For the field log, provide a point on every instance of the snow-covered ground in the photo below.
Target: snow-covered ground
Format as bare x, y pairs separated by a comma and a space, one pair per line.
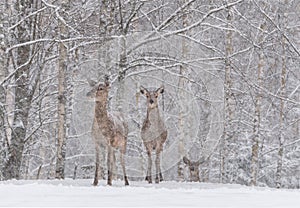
140, 194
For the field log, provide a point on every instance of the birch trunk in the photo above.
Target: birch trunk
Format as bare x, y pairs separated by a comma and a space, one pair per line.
257, 117
61, 110
282, 109
23, 95
121, 83
122, 73
228, 101
182, 130
122, 60
3, 73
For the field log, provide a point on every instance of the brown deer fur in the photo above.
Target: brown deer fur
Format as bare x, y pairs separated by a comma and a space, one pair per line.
153, 133
109, 130
193, 168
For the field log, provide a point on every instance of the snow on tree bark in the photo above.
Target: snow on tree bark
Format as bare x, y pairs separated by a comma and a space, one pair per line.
62, 98
3, 73
99, 26
181, 94
257, 111
228, 100
281, 136
23, 94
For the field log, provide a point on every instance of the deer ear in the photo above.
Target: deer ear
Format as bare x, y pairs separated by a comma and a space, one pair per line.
92, 83
106, 83
186, 160
92, 92
143, 90
160, 90
201, 160
106, 80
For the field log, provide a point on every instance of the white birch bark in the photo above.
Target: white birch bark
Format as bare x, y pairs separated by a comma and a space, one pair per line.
282, 107
257, 112
61, 110
182, 101
228, 100
23, 94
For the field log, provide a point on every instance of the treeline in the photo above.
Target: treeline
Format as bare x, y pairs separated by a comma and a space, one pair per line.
230, 70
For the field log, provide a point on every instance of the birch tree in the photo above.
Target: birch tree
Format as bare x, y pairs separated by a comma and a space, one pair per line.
23, 90
228, 99
257, 112
62, 68
181, 85
3, 73
283, 80
251, 45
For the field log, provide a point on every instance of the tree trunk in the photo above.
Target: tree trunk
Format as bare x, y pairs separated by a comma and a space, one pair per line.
121, 75
122, 62
228, 102
23, 96
182, 101
3, 73
257, 118
121, 86
281, 115
3, 138
61, 125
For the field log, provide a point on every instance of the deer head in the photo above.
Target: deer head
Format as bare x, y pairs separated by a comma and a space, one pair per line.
99, 90
152, 96
193, 169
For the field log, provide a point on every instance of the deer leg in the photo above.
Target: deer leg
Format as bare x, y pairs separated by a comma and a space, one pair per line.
114, 165
157, 164
148, 176
97, 165
109, 165
102, 159
159, 176
123, 165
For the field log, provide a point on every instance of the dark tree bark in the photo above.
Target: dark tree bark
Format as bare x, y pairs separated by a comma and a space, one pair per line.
23, 94
3, 72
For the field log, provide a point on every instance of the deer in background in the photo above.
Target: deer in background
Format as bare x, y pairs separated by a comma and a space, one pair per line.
153, 133
109, 130
193, 168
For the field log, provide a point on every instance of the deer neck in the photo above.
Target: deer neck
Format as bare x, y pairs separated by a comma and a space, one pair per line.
153, 115
101, 113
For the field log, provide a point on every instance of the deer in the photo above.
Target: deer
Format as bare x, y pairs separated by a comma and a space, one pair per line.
193, 168
153, 132
109, 130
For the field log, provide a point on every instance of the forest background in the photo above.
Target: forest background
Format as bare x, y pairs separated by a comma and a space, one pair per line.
230, 71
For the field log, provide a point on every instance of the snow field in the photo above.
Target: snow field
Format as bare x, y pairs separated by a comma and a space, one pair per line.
80, 193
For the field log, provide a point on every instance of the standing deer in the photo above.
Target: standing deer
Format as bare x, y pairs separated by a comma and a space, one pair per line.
109, 130
153, 133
